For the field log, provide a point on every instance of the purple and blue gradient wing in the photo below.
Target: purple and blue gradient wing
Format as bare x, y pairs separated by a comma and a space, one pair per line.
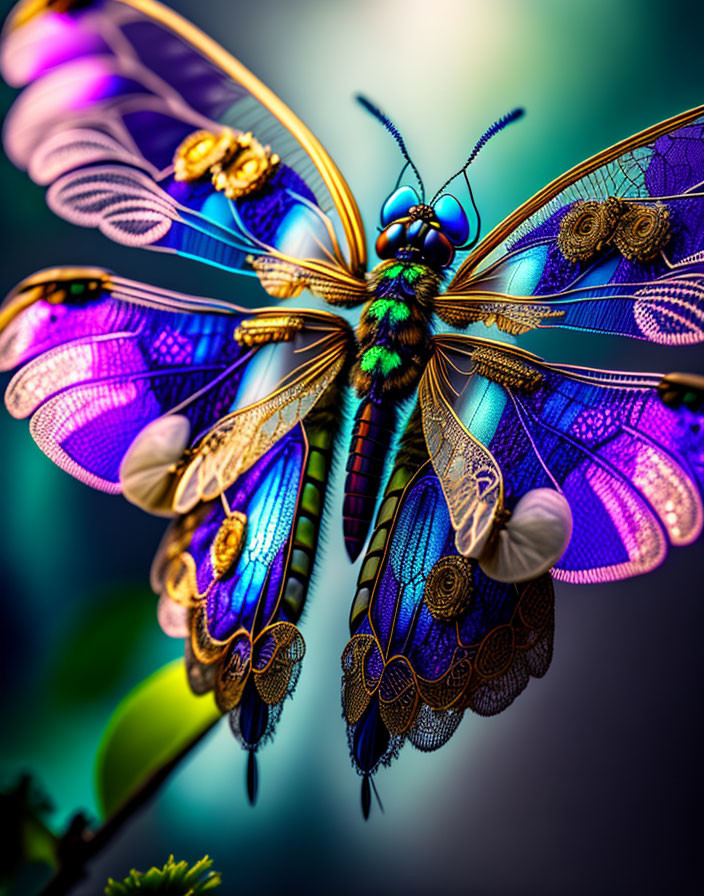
630, 465
233, 576
614, 246
101, 358
431, 634
115, 94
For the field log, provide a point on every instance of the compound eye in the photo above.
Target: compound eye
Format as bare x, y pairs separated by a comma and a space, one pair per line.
413, 229
390, 241
452, 219
437, 249
397, 205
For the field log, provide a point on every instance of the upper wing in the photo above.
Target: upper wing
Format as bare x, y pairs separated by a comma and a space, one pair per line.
135, 389
616, 245
142, 126
622, 452
432, 635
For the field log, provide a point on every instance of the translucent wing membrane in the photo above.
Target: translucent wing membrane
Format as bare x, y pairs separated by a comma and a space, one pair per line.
232, 576
432, 635
613, 246
145, 128
630, 467
132, 388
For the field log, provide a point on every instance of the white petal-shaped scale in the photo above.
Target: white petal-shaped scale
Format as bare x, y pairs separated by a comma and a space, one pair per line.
173, 618
147, 470
533, 539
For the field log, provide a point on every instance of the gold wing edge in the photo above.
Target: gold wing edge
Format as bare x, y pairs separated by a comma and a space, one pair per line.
461, 343
524, 211
339, 190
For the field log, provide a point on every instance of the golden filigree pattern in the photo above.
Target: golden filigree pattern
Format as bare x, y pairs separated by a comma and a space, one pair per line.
237, 164
513, 318
227, 545
642, 231
356, 689
637, 230
238, 440
258, 331
506, 369
206, 649
284, 279
247, 170
469, 475
200, 151
283, 647
233, 672
448, 588
587, 227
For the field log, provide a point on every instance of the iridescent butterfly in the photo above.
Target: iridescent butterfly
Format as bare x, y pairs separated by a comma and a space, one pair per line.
493, 470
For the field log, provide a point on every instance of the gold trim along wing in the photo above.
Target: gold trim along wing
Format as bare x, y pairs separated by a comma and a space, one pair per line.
504, 229
226, 139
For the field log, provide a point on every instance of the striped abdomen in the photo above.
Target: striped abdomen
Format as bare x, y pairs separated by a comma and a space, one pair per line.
374, 427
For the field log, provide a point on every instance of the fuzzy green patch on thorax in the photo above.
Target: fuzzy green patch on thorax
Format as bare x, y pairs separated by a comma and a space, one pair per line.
410, 272
395, 311
380, 359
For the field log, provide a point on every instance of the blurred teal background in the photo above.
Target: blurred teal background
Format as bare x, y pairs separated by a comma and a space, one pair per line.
592, 781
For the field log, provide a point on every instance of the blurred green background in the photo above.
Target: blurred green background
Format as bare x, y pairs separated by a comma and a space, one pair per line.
592, 781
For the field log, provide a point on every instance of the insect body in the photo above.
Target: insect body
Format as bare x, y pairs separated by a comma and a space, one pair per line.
511, 470
393, 336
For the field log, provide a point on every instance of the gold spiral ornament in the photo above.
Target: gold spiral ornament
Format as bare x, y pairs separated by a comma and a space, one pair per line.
200, 151
227, 545
247, 170
642, 231
587, 227
448, 588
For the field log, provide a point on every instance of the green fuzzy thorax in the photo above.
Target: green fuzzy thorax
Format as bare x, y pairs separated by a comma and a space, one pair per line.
378, 359
405, 280
391, 309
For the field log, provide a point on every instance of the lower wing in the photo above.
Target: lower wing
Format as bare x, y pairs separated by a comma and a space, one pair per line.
233, 574
432, 635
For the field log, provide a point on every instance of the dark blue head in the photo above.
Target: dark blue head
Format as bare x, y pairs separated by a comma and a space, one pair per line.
427, 233
415, 230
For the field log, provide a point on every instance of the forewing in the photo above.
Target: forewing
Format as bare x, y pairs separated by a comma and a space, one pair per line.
116, 87
612, 246
102, 358
630, 467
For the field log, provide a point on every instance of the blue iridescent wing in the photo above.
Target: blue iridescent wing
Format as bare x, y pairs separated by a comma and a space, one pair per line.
626, 452
432, 635
141, 125
232, 576
125, 382
616, 245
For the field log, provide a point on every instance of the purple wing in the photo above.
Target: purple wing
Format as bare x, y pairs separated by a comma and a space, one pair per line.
102, 357
233, 576
614, 246
630, 466
115, 95
431, 634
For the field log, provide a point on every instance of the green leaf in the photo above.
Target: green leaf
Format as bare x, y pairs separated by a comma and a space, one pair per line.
174, 879
150, 728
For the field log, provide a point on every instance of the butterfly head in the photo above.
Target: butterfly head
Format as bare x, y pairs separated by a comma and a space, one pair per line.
411, 229
431, 232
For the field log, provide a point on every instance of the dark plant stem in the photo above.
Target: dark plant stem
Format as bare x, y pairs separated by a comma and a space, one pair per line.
80, 844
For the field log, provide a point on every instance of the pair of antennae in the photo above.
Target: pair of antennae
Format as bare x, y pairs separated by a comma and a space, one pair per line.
490, 132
